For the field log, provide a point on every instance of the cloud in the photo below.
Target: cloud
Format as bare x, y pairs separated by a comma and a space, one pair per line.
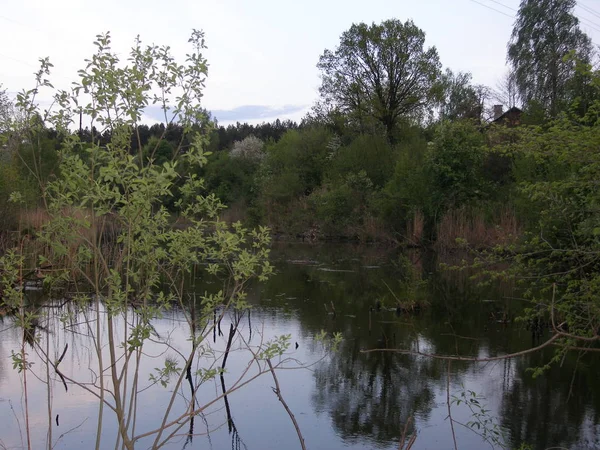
243, 113
156, 114
254, 112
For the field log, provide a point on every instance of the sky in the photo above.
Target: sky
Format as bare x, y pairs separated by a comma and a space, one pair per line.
262, 54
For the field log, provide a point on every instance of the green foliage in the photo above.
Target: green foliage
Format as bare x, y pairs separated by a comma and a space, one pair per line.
295, 164
160, 151
16, 191
380, 72
557, 168
275, 347
454, 165
482, 422
407, 191
460, 99
229, 178
38, 158
164, 374
108, 230
293, 168
20, 362
333, 342
371, 154
544, 35
343, 204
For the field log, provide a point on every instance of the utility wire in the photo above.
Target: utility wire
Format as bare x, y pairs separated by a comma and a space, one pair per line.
502, 4
593, 25
589, 23
587, 18
47, 33
493, 9
52, 74
21, 24
18, 60
588, 9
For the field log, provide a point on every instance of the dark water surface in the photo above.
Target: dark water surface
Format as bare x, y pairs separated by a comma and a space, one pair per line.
345, 399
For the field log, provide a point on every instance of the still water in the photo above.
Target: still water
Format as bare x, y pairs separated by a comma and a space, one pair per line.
341, 399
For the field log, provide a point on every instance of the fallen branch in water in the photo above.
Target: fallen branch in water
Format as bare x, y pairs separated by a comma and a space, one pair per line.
466, 358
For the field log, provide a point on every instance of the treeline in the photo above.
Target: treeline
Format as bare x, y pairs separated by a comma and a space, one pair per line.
396, 149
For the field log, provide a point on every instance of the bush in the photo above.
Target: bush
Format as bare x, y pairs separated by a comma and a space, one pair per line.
371, 154
341, 206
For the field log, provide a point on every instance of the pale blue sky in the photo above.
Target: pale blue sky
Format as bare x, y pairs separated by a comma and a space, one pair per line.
262, 53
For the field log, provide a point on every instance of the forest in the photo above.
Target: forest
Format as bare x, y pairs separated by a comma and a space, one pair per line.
396, 150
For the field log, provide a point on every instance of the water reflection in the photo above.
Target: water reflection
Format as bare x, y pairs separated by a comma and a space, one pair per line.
348, 399
372, 395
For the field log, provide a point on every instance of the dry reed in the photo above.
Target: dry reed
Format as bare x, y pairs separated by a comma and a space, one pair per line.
465, 225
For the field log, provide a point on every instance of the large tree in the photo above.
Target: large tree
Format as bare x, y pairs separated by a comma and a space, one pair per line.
546, 42
380, 72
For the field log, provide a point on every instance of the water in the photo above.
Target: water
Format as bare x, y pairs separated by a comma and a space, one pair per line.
343, 399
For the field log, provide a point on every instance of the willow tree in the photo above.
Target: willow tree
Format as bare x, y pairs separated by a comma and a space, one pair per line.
545, 35
381, 72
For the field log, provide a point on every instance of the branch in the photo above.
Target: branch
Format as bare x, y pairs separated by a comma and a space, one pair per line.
449, 409
277, 391
412, 439
466, 358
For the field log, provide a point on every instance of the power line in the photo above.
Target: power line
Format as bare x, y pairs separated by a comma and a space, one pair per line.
21, 24
502, 4
53, 72
587, 18
588, 9
593, 25
493, 9
18, 60
589, 23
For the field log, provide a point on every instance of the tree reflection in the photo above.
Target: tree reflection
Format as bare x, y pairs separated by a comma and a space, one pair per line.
554, 407
372, 395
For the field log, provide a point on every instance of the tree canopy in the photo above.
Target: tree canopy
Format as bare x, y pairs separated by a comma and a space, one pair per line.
545, 45
460, 99
380, 72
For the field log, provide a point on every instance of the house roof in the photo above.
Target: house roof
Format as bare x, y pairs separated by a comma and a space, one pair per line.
514, 109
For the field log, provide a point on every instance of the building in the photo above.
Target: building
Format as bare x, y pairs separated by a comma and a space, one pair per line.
510, 118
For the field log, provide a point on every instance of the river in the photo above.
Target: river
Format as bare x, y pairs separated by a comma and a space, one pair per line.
342, 398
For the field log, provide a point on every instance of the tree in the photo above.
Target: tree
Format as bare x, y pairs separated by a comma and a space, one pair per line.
110, 238
557, 168
507, 92
545, 34
454, 164
461, 100
250, 147
380, 72
5, 109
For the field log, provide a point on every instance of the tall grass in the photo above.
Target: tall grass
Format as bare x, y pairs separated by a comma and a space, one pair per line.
90, 232
415, 228
479, 232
